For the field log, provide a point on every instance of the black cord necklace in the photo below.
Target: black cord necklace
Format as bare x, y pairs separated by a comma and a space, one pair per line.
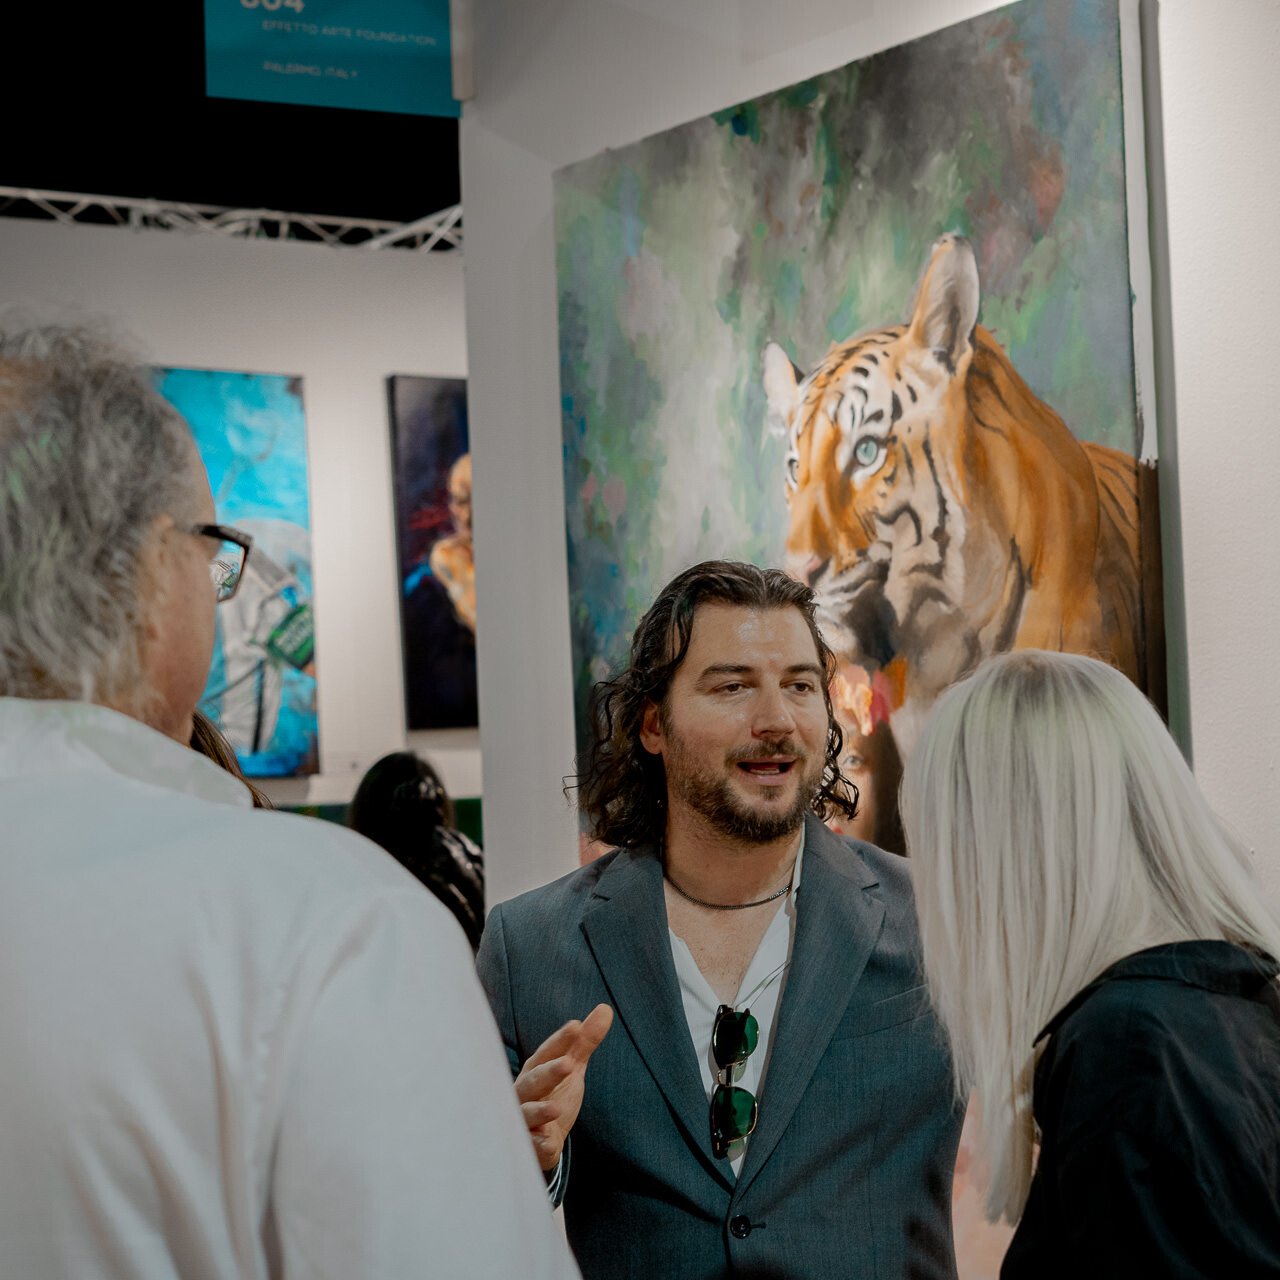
728, 906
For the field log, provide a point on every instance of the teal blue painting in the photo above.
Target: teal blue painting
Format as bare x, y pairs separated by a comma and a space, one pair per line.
877, 328
251, 431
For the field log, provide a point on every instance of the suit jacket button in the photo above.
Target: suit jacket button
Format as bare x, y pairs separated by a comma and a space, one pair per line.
740, 1227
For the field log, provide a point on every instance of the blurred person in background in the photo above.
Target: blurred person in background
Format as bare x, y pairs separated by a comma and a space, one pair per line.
402, 805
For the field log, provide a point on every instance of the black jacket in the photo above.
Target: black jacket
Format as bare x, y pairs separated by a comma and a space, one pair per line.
1158, 1101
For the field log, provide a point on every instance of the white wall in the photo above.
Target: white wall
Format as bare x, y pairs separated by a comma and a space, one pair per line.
343, 319
1221, 120
560, 80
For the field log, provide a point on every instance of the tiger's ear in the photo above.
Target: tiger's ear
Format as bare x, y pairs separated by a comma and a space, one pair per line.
781, 388
947, 302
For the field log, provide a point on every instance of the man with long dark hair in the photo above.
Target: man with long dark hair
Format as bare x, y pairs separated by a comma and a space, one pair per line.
713, 764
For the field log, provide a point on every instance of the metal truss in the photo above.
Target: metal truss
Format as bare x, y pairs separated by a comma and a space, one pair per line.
438, 231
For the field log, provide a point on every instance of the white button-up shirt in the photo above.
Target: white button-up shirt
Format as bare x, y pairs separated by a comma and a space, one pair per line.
233, 1044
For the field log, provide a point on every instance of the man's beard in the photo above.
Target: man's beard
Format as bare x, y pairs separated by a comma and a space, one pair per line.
712, 796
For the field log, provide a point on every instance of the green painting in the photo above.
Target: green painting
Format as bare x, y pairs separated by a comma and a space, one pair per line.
877, 328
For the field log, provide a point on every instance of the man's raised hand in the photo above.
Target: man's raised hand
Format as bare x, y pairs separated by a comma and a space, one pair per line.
550, 1084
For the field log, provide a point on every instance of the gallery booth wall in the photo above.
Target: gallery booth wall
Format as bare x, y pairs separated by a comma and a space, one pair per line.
343, 320
557, 83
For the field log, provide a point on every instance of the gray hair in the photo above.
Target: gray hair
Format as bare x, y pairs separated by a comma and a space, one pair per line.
1054, 828
90, 455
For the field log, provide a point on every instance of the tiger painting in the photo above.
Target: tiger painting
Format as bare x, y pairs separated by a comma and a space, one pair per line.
943, 513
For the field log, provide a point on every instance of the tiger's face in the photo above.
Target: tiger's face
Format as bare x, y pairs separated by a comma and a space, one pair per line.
943, 512
858, 433
876, 501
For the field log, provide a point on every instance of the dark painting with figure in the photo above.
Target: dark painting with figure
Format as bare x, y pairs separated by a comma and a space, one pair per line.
432, 461
889, 329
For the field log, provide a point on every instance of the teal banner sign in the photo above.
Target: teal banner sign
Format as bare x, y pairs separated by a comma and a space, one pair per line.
369, 55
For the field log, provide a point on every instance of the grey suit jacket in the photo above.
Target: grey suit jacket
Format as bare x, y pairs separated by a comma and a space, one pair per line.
849, 1170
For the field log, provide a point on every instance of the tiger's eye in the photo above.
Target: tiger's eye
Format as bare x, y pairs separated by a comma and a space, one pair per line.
864, 453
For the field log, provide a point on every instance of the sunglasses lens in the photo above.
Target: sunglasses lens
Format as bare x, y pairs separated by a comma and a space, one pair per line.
734, 1036
733, 1116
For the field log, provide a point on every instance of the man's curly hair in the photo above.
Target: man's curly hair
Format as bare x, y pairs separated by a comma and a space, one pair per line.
621, 787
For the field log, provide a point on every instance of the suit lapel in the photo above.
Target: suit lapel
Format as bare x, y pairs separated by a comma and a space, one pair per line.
837, 925
626, 928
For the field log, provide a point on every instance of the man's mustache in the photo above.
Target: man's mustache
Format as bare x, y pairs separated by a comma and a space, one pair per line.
767, 751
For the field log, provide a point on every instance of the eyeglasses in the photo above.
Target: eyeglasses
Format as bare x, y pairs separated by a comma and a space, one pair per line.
227, 566
734, 1111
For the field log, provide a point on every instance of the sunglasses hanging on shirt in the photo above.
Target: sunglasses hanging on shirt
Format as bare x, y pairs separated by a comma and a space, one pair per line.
734, 1037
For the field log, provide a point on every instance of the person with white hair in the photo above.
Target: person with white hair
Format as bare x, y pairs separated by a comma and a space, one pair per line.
233, 1043
1104, 965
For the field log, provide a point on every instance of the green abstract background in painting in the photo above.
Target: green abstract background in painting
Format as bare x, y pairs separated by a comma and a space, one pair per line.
804, 217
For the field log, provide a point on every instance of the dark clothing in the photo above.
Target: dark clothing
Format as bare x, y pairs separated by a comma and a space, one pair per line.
439, 661
1158, 1102
454, 872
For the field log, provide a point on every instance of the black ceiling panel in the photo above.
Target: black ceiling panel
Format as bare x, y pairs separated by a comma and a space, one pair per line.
108, 99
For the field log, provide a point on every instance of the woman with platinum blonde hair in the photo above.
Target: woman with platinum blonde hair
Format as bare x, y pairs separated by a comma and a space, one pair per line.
1097, 948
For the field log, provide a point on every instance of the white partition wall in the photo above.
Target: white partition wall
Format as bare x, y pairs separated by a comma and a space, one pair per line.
1221, 105
557, 82
341, 318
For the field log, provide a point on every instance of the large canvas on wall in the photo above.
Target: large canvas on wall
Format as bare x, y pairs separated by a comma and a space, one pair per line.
432, 461
251, 431
768, 352
887, 328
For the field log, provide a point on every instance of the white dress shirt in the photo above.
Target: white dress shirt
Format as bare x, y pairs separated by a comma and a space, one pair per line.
760, 991
235, 1044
